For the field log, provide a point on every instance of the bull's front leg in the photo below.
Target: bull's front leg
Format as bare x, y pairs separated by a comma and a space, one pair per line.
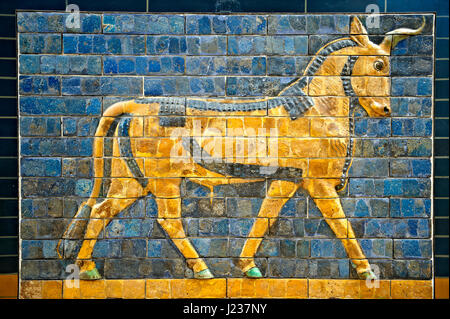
278, 194
324, 194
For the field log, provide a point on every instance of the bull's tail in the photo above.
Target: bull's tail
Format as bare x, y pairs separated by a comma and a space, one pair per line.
76, 228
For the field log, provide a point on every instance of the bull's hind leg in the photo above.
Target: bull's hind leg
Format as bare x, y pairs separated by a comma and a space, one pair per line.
167, 196
122, 193
327, 200
278, 194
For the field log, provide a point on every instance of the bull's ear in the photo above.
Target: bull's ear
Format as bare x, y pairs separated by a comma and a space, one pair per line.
358, 33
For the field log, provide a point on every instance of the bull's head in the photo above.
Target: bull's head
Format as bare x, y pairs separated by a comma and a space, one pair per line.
370, 78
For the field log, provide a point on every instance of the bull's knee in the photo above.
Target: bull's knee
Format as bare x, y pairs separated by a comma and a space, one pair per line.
173, 227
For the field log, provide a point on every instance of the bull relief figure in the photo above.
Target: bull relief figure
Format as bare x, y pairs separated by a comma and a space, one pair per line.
313, 118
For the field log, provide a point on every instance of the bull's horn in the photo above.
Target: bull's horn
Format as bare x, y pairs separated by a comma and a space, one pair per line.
394, 37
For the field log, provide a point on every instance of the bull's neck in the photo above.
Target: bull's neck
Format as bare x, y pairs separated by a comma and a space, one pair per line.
330, 87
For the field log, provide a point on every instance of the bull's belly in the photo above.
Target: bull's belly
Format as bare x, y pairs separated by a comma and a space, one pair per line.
316, 145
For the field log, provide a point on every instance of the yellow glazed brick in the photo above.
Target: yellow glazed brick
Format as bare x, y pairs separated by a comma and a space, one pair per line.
71, 292
329, 288
8, 286
234, 287
192, 288
383, 291
31, 289
297, 288
261, 289
52, 289
134, 289
157, 288
411, 289
93, 289
277, 288
248, 287
441, 288
114, 289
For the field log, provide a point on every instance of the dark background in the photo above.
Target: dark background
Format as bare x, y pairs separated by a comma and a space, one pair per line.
8, 93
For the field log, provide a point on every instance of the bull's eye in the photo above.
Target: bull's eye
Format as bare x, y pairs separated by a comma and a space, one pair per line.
378, 65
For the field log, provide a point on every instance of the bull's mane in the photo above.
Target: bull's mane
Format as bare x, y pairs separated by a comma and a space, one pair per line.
292, 97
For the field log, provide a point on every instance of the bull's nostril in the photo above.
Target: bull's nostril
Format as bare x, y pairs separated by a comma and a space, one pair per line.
387, 110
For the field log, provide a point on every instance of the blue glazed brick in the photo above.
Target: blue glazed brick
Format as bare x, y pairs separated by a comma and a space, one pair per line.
412, 248
369, 167
365, 207
240, 227
75, 167
410, 168
243, 207
411, 228
170, 86
59, 106
52, 64
295, 207
39, 85
287, 24
410, 207
126, 86
32, 249
83, 187
366, 187
411, 66
40, 22
213, 227
286, 65
285, 227
367, 147
226, 66
33, 126
418, 187
407, 269
143, 24
56, 22
126, 228
29, 64
317, 228
269, 248
411, 147
256, 86
56, 147
372, 228
107, 248
270, 45
39, 43
416, 45
143, 65
411, 106
316, 42
166, 44
377, 248
154, 248
207, 45
411, 127
328, 24
211, 247
103, 44
368, 127
327, 248
204, 24
328, 268
288, 247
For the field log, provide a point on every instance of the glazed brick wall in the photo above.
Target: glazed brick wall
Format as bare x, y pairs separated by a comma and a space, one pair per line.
375, 147
67, 79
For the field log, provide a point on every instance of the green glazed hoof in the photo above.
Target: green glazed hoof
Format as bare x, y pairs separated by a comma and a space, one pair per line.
368, 274
204, 274
92, 274
253, 273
